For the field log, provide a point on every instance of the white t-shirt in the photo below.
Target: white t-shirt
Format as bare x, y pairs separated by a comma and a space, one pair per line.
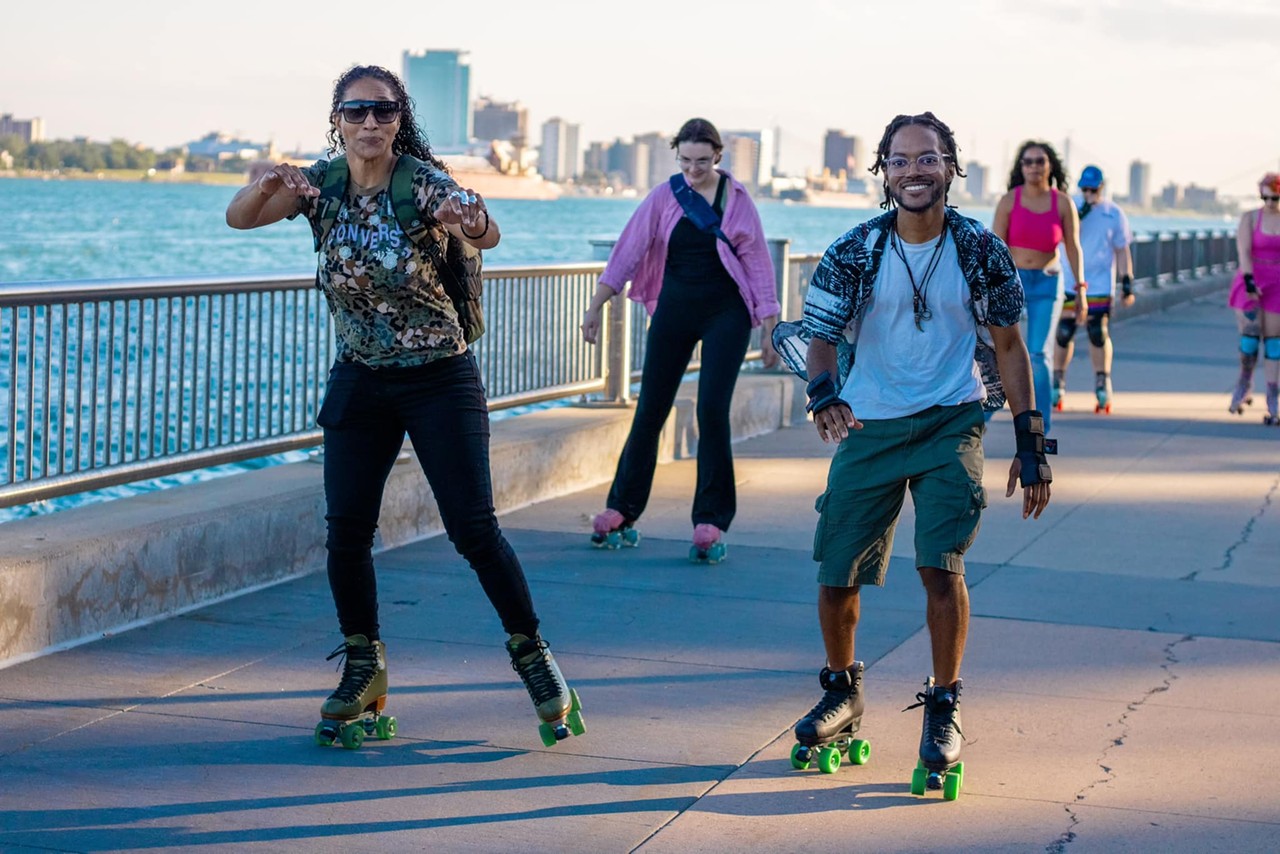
900, 370
1102, 232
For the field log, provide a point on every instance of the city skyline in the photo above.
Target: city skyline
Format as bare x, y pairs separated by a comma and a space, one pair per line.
1164, 82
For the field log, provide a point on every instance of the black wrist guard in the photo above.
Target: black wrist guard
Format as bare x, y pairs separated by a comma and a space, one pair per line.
1249, 287
1126, 285
1028, 428
822, 392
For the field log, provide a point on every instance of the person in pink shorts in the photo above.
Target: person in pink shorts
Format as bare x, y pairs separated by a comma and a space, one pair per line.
1255, 296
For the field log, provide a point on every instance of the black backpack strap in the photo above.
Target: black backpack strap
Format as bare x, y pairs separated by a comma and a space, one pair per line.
699, 210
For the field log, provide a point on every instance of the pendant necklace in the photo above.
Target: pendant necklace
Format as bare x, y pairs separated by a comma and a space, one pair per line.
919, 304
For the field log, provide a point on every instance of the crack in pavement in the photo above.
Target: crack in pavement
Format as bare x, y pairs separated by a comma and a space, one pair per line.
1059, 846
1228, 557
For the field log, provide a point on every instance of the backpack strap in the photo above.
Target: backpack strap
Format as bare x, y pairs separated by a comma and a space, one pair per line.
403, 202
699, 210
333, 186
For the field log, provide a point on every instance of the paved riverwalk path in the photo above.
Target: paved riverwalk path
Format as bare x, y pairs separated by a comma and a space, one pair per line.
1122, 685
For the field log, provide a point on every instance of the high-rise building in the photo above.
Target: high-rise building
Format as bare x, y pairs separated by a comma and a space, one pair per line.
558, 157
662, 160
439, 82
596, 158
838, 153
30, 130
497, 120
742, 160
628, 163
766, 158
975, 181
1170, 196
1139, 184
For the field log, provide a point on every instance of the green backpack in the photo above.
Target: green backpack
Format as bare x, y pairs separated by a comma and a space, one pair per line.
458, 267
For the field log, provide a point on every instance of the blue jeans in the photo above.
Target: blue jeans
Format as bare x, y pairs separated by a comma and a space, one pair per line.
1043, 294
365, 416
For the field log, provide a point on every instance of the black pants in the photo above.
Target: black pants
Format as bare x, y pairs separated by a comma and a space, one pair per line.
365, 416
682, 319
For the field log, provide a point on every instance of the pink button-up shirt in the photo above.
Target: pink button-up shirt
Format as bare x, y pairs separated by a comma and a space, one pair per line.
640, 255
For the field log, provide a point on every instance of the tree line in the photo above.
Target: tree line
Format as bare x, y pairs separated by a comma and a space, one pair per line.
96, 156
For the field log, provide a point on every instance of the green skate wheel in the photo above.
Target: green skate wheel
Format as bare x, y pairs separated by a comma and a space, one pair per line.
631, 538
801, 757
952, 784
386, 727
918, 779
859, 751
717, 553
576, 725
352, 736
324, 736
548, 734
575, 705
828, 760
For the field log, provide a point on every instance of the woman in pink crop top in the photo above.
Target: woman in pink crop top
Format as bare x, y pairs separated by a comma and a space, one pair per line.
1255, 296
1034, 217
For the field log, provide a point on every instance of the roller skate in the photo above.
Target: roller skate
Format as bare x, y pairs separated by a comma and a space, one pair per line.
939, 766
611, 530
828, 729
557, 705
707, 546
1059, 390
354, 709
1242, 396
1272, 418
1102, 388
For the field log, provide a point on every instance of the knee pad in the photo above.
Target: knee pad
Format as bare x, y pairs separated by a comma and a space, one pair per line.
1097, 334
1249, 344
1271, 346
1066, 331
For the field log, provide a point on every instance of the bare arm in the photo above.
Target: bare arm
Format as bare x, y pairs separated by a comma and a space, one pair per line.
1071, 243
835, 421
1014, 364
271, 198
1244, 243
1000, 221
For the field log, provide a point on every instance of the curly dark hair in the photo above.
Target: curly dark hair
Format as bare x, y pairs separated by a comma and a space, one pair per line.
698, 130
948, 139
409, 139
1057, 174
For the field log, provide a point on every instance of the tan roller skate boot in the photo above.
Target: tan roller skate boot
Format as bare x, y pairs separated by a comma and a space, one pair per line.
354, 709
557, 706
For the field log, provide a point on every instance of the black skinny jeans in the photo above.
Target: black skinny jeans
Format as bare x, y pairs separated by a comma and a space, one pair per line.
682, 318
365, 416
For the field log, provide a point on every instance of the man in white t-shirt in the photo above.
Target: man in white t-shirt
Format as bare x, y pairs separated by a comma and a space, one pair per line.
1104, 242
908, 289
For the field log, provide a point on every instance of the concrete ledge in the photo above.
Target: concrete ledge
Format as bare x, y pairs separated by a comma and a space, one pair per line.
71, 577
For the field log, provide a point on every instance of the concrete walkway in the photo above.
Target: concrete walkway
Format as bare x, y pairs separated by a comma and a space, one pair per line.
1122, 680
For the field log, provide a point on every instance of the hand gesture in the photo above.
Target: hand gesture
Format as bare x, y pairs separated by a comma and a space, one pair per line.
285, 179
591, 325
1034, 498
835, 421
464, 208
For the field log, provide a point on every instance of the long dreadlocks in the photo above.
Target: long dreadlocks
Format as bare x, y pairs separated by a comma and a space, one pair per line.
928, 120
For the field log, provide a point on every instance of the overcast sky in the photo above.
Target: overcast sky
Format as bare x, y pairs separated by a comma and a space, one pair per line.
1191, 86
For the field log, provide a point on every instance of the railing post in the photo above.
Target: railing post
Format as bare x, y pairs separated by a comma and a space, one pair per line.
1176, 275
788, 291
615, 338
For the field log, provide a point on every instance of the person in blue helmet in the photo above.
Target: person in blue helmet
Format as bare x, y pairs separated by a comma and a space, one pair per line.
1105, 239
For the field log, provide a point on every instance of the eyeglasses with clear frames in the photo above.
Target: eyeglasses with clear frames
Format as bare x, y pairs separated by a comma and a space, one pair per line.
701, 162
926, 164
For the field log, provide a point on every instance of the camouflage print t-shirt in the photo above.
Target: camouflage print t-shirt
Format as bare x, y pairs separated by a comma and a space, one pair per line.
388, 304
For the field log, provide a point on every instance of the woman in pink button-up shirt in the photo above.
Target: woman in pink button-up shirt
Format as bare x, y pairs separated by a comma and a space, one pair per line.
699, 286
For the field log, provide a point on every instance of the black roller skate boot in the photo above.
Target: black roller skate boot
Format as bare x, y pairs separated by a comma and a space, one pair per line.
557, 705
354, 709
939, 766
829, 727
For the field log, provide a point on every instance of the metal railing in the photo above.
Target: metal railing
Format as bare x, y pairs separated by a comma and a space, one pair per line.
110, 382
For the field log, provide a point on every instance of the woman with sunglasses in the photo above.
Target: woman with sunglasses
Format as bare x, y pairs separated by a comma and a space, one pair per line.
1255, 296
695, 255
1033, 218
403, 366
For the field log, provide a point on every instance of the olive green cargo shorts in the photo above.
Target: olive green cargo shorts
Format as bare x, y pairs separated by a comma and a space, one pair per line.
936, 453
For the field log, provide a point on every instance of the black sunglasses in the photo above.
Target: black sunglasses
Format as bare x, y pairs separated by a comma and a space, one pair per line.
1035, 161
355, 112
1267, 198
1090, 189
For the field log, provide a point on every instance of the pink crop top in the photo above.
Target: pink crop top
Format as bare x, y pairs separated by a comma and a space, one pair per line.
1039, 231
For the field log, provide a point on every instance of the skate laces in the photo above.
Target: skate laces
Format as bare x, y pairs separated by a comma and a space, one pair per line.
534, 668
939, 714
359, 665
